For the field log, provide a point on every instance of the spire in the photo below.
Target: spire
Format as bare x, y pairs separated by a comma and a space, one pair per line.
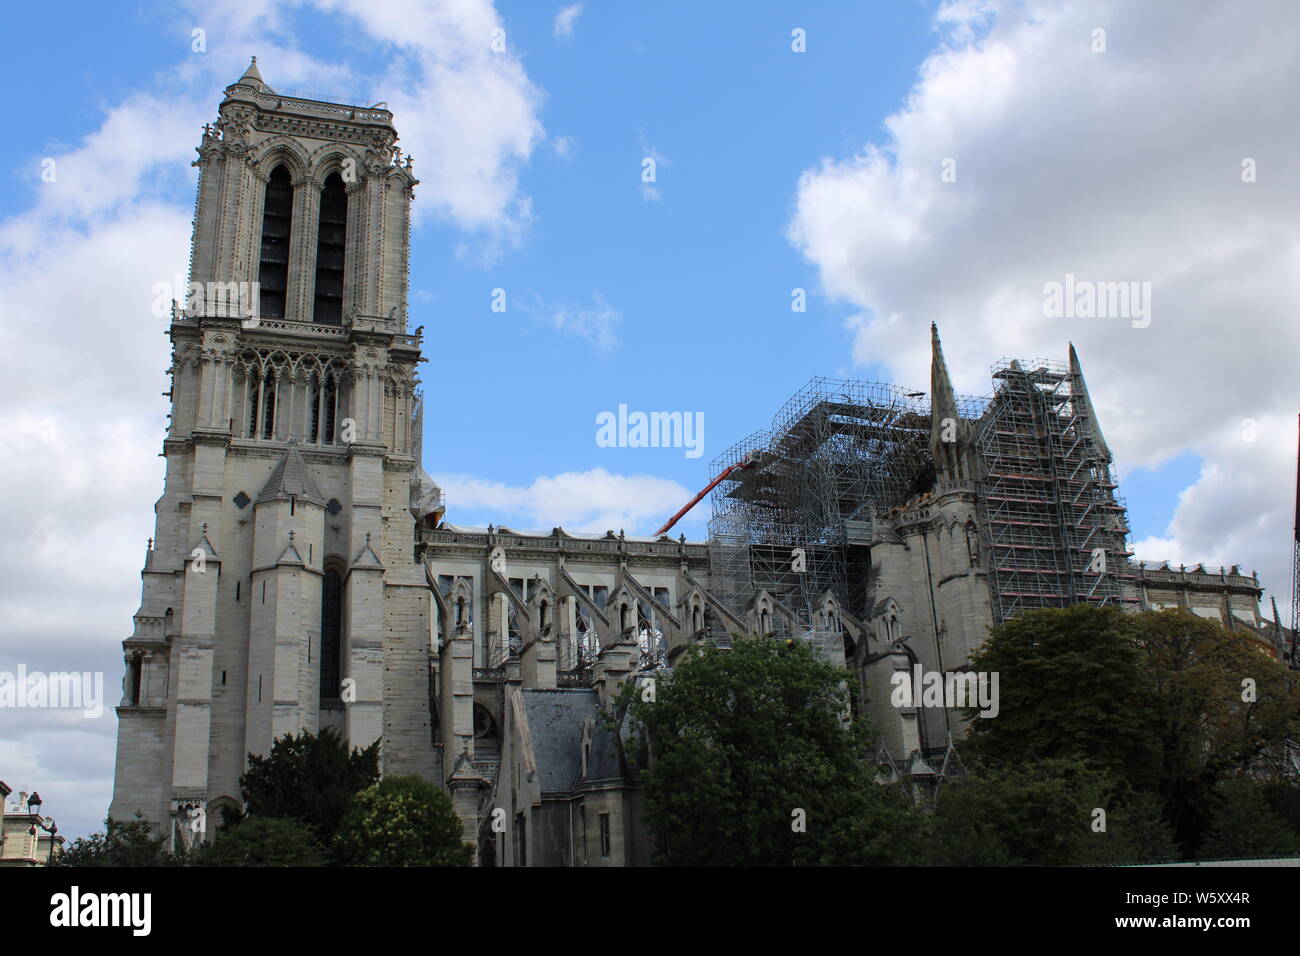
947, 431
291, 479
1085, 403
252, 77
943, 404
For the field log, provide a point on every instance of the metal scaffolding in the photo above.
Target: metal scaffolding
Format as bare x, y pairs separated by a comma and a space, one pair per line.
1054, 528
838, 454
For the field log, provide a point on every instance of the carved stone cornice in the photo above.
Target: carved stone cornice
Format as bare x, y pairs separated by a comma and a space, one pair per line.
210, 436
367, 449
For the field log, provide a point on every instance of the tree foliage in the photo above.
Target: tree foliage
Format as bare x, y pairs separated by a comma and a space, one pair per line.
402, 821
1205, 731
1071, 684
1243, 825
1167, 702
1049, 813
310, 779
120, 843
754, 762
263, 841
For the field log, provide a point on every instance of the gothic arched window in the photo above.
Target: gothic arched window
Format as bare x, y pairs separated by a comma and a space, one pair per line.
324, 407
273, 267
268, 403
331, 238
331, 620
253, 390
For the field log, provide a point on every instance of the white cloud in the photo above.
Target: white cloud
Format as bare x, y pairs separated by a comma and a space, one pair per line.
469, 115
1115, 166
587, 501
564, 146
596, 323
565, 19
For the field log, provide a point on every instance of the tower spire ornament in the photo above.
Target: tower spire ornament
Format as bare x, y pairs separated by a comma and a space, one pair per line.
950, 435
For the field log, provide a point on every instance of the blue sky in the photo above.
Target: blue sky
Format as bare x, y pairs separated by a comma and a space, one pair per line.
776, 170
693, 287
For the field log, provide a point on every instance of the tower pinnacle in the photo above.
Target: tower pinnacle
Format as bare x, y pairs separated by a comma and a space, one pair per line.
1085, 402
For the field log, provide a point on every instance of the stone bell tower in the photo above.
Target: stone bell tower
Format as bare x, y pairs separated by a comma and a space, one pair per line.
280, 591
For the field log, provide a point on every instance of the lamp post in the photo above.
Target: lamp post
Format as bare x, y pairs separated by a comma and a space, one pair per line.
49, 826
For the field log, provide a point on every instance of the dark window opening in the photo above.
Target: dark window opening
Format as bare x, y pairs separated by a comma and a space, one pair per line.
273, 269
330, 243
137, 670
604, 835
330, 634
254, 383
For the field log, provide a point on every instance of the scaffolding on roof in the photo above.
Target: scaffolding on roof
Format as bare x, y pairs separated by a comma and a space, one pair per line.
1055, 531
838, 454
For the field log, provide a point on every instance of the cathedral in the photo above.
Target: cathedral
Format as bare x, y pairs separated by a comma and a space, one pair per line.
303, 574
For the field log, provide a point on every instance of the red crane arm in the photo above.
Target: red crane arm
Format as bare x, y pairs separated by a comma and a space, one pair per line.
746, 463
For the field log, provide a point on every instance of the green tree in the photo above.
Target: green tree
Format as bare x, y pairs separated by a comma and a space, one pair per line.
1166, 701
1205, 729
310, 779
1283, 796
402, 821
1071, 683
120, 843
263, 841
1053, 812
1244, 826
754, 762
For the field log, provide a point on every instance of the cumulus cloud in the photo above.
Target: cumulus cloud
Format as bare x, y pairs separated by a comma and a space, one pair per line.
1123, 165
565, 19
587, 501
463, 103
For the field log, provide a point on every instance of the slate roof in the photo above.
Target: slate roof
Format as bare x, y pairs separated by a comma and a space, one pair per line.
291, 477
555, 720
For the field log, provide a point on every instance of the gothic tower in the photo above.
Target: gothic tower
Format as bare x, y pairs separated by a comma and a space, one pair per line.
281, 591
961, 591
930, 597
